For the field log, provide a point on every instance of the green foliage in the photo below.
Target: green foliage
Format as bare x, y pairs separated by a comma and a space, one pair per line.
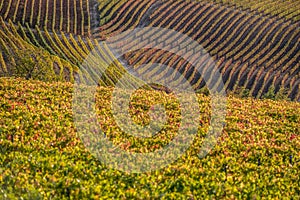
270, 94
245, 93
204, 91
33, 64
282, 94
61, 39
42, 157
240, 92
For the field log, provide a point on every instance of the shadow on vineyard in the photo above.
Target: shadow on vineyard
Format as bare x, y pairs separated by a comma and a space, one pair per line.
45, 47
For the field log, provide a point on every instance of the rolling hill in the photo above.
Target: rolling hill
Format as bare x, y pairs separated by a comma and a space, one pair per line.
255, 46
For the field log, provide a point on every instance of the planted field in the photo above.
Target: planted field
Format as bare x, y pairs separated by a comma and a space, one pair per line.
284, 10
51, 51
71, 16
255, 49
42, 157
261, 50
64, 54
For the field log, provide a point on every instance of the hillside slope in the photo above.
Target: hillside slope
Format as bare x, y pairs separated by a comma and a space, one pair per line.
255, 47
43, 157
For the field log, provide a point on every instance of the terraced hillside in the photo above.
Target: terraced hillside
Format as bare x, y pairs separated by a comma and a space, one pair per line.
253, 51
284, 10
62, 53
185, 145
71, 16
256, 47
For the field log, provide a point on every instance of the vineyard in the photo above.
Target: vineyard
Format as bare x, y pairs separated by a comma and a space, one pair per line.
41, 157
255, 48
71, 16
254, 52
282, 10
248, 49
